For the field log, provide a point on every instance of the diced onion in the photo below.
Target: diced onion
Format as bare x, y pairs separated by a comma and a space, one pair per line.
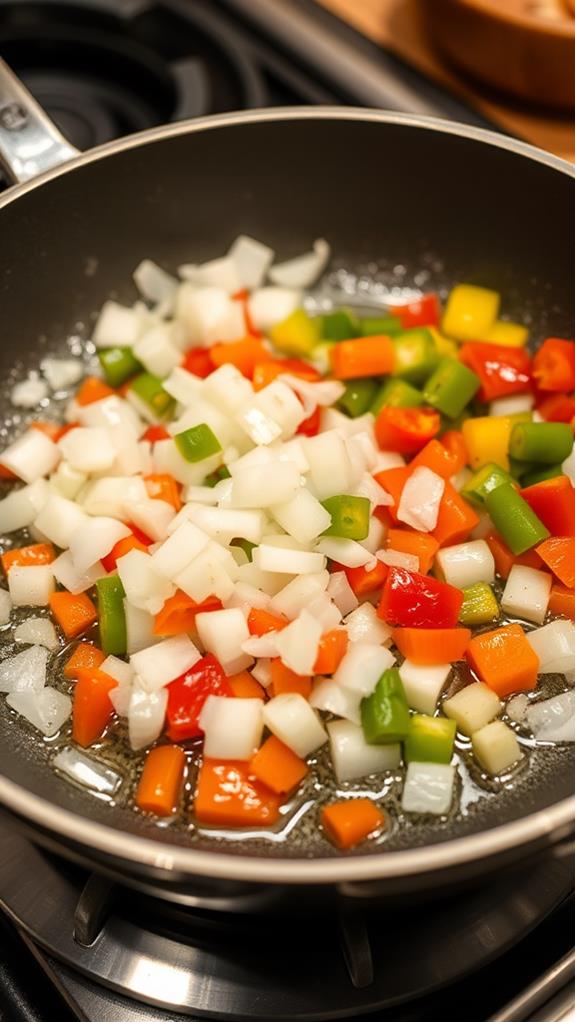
362, 667
295, 596
155, 284
93, 540
47, 710
29, 392
428, 788
398, 559
222, 632
59, 519
31, 456
465, 564
291, 719
324, 392
331, 470
38, 631
553, 720
330, 697
341, 592
232, 727
252, 261
179, 550
20, 507
526, 594
353, 758
31, 586
5, 607
303, 517
160, 664
25, 672
348, 552
144, 586
554, 645
65, 573
146, 714
304, 270
423, 685
291, 562
420, 499
298, 643
269, 305
89, 773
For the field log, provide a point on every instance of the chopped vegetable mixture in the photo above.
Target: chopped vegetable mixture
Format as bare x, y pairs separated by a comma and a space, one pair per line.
259, 531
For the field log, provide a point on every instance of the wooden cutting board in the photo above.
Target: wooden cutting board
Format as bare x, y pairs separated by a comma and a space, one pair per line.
396, 25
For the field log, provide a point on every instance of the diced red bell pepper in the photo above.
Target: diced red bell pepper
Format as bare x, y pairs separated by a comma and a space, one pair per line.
362, 581
557, 408
155, 433
554, 365
310, 426
120, 549
188, 693
412, 600
198, 361
406, 430
424, 311
553, 501
502, 370
243, 297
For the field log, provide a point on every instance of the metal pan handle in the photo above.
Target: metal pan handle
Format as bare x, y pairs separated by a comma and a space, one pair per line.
30, 142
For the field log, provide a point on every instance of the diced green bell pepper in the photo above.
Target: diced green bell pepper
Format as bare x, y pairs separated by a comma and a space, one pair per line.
429, 739
415, 355
396, 393
216, 477
479, 605
539, 475
373, 326
547, 443
517, 469
349, 516
385, 713
111, 616
246, 546
118, 365
197, 443
511, 515
358, 396
339, 325
297, 334
482, 482
451, 387
148, 388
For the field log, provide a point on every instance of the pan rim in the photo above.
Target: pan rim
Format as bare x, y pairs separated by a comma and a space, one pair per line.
552, 823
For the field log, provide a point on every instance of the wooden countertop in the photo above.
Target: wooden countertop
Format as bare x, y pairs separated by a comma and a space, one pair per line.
395, 24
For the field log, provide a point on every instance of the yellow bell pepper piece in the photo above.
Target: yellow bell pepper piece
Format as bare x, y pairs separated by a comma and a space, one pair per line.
470, 312
512, 335
445, 347
487, 439
297, 334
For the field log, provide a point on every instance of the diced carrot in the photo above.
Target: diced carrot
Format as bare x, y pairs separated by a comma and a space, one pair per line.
85, 656
347, 823
362, 581
49, 429
430, 646
331, 651
276, 766
562, 601
505, 559
161, 780
179, 613
504, 660
244, 686
228, 794
393, 480
455, 444
260, 622
553, 501
74, 613
7, 474
362, 356
164, 487
456, 518
284, 680
436, 457
28, 556
558, 553
266, 372
93, 389
155, 433
244, 355
120, 549
420, 544
92, 709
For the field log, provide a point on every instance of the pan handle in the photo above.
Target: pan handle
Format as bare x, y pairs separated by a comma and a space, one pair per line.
30, 142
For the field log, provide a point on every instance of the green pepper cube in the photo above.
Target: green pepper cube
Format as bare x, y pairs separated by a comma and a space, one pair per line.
385, 713
246, 545
197, 443
482, 482
451, 387
358, 396
547, 443
479, 605
216, 477
429, 739
298, 334
339, 325
539, 475
415, 355
396, 393
511, 515
148, 388
111, 615
374, 326
349, 516
118, 365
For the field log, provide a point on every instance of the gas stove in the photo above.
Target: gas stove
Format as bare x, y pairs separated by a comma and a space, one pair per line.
76, 947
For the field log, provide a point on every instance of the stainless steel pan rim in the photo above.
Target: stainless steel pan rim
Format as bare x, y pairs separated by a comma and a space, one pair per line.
544, 826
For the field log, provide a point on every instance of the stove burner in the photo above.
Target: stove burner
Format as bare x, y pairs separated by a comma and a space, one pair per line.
101, 74
320, 965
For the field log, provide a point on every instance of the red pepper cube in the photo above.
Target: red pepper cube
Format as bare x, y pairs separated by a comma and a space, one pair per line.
406, 430
411, 600
554, 365
553, 501
424, 311
502, 370
187, 695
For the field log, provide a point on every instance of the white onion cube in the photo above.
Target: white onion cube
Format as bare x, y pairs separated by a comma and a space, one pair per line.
428, 788
37, 631
158, 665
363, 625
363, 666
527, 593
223, 632
47, 710
93, 540
423, 685
496, 747
146, 715
472, 707
351, 755
31, 456
24, 672
303, 517
58, 519
291, 719
554, 645
232, 727
298, 643
31, 586
465, 564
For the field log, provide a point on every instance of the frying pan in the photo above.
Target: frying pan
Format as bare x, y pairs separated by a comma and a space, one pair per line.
398, 197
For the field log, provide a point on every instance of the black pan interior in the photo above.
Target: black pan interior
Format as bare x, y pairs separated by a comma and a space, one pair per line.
394, 200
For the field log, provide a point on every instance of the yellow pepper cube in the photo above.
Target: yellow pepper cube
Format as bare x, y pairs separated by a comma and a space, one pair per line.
297, 334
487, 439
511, 335
445, 347
470, 312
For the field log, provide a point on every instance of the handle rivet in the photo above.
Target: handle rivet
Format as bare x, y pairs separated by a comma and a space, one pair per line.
13, 117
